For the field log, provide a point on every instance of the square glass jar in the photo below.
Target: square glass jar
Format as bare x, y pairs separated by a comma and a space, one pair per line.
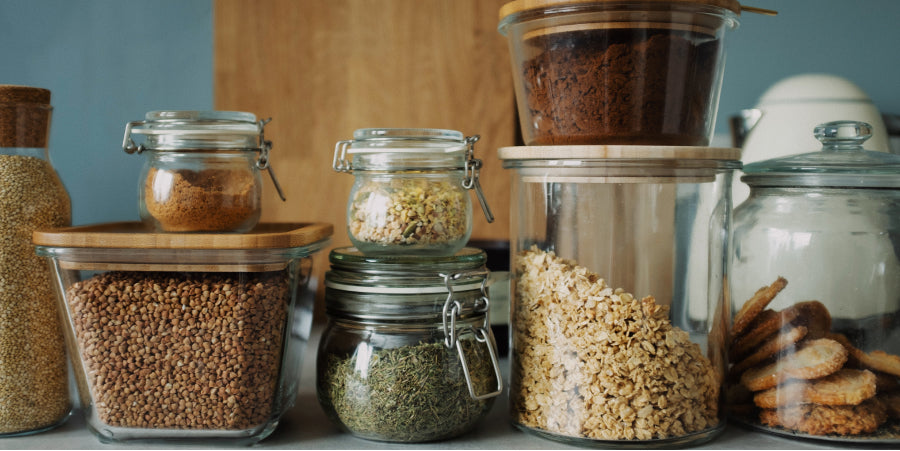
184, 337
619, 273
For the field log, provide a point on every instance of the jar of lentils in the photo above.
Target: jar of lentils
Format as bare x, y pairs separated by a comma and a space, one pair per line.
407, 354
409, 196
34, 379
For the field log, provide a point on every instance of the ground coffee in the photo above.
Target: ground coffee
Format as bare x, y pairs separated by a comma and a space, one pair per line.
621, 86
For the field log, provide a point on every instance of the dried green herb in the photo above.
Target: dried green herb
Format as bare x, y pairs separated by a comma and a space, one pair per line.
409, 394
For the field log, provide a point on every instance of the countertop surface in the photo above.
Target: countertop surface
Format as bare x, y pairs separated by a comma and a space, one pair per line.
305, 426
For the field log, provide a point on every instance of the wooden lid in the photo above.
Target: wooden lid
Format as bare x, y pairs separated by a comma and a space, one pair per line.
601, 152
135, 235
518, 6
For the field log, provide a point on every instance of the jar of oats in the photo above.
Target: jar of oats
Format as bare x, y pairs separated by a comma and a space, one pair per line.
409, 195
34, 377
407, 355
202, 172
619, 277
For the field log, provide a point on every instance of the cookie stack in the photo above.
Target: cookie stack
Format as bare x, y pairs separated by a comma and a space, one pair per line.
792, 371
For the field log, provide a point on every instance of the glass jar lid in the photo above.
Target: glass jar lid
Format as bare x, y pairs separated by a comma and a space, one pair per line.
403, 149
196, 130
841, 163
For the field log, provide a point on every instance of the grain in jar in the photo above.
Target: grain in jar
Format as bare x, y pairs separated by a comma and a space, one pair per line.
34, 387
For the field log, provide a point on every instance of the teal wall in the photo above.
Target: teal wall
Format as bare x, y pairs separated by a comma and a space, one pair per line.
109, 61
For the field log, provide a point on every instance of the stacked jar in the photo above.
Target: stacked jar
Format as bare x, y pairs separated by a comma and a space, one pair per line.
621, 220
407, 354
181, 327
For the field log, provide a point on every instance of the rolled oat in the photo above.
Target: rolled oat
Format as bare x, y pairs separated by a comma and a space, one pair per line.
597, 363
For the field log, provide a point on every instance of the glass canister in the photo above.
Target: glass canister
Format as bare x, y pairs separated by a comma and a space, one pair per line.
34, 377
619, 284
407, 354
409, 194
815, 340
645, 72
202, 170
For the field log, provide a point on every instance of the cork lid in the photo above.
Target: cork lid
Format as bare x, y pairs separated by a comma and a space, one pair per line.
24, 116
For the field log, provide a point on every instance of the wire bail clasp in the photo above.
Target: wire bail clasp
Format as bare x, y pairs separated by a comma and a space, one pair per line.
263, 161
483, 333
472, 168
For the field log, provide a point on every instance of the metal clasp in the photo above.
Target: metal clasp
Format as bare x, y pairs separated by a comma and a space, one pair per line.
128, 144
472, 168
263, 161
340, 162
483, 334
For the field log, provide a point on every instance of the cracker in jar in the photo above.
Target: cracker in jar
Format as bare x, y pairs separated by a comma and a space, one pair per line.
813, 359
777, 343
817, 419
877, 360
814, 315
844, 387
767, 323
755, 305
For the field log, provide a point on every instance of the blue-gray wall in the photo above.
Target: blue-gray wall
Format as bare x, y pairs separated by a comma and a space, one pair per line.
110, 61
106, 62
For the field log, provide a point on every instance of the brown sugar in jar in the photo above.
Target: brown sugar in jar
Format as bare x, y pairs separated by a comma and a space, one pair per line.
621, 86
204, 200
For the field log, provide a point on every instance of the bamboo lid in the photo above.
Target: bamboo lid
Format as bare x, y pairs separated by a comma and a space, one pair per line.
24, 116
601, 152
518, 6
136, 235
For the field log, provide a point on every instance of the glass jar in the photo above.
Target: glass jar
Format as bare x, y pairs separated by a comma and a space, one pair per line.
34, 376
409, 194
644, 72
177, 338
202, 170
815, 339
620, 272
407, 354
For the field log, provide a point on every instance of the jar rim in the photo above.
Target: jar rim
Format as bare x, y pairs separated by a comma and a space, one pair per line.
351, 259
196, 129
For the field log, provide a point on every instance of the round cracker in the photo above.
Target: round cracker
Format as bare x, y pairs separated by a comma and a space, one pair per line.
777, 343
817, 419
767, 323
814, 315
755, 305
813, 359
844, 387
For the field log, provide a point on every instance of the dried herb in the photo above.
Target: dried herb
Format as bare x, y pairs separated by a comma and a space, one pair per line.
409, 394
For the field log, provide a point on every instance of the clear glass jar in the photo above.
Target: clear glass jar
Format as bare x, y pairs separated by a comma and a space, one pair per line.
644, 72
180, 339
407, 354
620, 272
202, 170
409, 194
815, 340
34, 376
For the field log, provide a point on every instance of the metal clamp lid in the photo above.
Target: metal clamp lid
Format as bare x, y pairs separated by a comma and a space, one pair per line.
483, 333
195, 126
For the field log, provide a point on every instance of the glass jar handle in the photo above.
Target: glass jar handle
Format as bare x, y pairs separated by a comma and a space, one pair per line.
473, 165
128, 144
482, 334
340, 163
263, 161
843, 135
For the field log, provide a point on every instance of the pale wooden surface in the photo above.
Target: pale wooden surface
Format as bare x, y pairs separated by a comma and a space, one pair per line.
322, 69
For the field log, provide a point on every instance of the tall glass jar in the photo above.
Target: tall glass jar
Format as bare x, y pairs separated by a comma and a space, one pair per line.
202, 170
407, 354
34, 378
815, 340
619, 279
409, 194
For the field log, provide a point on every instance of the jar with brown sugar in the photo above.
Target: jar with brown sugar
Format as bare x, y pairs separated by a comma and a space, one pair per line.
202, 172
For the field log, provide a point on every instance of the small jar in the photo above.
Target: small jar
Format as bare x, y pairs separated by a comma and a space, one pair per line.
409, 194
815, 338
407, 354
202, 170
